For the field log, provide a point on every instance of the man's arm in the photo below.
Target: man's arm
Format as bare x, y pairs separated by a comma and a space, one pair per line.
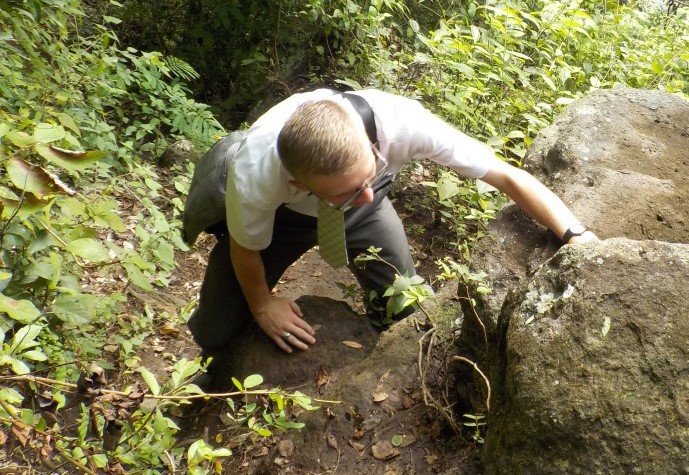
277, 316
534, 198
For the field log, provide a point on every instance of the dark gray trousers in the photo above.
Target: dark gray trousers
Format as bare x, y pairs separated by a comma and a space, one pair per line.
223, 313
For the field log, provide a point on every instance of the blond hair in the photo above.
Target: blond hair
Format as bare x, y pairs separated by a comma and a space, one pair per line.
319, 138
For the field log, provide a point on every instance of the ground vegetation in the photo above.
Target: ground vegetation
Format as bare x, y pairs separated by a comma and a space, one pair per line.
91, 93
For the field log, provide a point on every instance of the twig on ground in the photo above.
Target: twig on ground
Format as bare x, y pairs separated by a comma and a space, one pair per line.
54, 382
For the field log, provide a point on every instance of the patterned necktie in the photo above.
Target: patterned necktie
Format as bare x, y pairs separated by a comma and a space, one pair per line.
331, 235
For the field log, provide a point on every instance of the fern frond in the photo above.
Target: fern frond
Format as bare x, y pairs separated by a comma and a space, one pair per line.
180, 68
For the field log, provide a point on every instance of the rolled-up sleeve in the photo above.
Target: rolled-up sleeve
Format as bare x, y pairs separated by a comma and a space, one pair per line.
412, 131
249, 221
431, 137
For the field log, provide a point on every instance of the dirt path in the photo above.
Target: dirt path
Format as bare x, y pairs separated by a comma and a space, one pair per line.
308, 276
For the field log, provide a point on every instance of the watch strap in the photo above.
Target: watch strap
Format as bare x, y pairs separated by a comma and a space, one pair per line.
570, 233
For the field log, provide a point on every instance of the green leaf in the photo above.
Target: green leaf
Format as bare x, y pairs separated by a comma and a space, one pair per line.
25, 338
69, 159
20, 139
41, 241
396, 440
263, 432
89, 249
253, 381
236, 382
137, 277
22, 311
67, 121
18, 366
151, 380
447, 189
46, 133
516, 134
35, 355
77, 309
11, 396
101, 460
222, 453
25, 206
401, 283
165, 253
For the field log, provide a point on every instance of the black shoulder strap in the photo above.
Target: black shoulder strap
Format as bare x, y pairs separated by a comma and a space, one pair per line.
363, 108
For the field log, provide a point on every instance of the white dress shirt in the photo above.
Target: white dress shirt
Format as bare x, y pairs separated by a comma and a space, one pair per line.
257, 183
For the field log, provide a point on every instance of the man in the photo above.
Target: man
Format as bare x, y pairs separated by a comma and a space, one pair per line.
320, 151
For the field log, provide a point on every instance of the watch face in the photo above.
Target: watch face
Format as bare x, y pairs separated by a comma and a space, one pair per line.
577, 229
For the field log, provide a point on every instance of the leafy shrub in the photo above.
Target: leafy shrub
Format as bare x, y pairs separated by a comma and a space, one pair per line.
80, 119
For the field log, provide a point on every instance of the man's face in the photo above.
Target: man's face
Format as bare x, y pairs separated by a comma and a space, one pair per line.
352, 188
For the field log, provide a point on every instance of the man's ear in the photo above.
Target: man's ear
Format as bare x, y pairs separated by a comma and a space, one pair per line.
298, 184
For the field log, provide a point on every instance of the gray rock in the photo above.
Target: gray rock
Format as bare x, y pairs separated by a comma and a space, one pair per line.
618, 158
334, 322
178, 153
595, 373
567, 398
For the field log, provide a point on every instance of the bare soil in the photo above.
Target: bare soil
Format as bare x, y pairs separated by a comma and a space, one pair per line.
436, 448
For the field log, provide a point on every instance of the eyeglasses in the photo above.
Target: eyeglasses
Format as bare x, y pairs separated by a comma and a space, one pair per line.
381, 179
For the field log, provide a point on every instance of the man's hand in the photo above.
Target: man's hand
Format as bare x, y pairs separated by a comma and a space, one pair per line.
281, 319
586, 237
278, 317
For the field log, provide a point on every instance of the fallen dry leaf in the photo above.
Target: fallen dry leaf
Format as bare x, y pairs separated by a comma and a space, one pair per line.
169, 330
407, 402
383, 450
358, 433
22, 433
261, 453
286, 448
352, 344
332, 441
357, 446
322, 378
3, 438
280, 461
392, 470
380, 397
407, 440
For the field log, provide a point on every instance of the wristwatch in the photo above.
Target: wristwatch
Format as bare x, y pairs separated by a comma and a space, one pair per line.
574, 230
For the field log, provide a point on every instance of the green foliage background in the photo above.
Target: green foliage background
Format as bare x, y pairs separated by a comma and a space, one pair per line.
91, 94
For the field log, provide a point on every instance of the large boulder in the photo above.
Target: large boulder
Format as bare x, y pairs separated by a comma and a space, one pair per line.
618, 158
594, 376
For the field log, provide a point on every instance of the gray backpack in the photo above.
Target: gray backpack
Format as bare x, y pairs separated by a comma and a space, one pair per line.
204, 209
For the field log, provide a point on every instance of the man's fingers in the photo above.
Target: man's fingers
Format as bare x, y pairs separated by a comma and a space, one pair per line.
279, 341
303, 334
296, 342
295, 308
287, 340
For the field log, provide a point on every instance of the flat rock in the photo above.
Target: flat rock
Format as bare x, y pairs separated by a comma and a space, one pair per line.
335, 324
